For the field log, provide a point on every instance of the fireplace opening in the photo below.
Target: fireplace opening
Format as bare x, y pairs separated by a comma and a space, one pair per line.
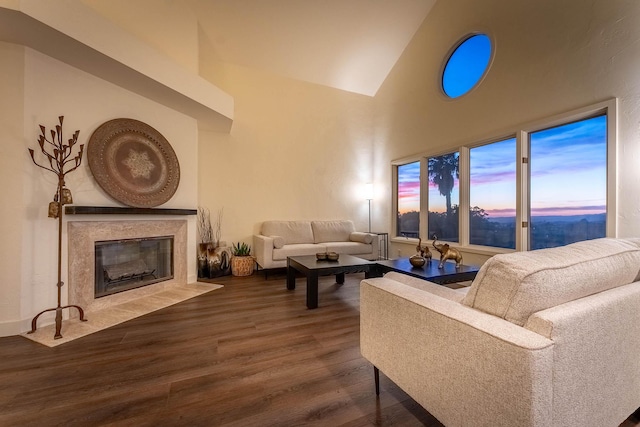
132, 263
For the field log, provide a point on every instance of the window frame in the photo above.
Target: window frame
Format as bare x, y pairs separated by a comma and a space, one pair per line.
394, 202
454, 48
467, 209
521, 133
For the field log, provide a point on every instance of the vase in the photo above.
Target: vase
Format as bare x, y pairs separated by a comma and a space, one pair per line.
242, 265
203, 260
417, 261
219, 262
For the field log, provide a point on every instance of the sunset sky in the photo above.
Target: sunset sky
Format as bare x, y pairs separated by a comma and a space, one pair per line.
568, 174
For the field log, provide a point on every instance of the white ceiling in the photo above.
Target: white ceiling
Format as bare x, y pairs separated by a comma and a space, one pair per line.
346, 44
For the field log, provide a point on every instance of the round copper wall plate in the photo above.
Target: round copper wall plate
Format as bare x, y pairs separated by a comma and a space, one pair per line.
133, 163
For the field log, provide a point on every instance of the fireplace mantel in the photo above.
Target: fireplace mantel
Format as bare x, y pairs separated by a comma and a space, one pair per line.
114, 210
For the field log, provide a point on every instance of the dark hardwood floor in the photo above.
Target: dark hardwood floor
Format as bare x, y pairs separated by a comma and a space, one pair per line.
249, 354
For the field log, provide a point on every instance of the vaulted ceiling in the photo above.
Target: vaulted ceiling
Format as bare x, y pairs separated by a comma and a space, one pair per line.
346, 44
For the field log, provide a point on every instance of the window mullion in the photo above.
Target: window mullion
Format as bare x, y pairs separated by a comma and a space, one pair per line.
394, 200
522, 191
612, 168
424, 198
463, 209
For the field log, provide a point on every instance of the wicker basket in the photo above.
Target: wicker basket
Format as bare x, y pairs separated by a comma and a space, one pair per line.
242, 265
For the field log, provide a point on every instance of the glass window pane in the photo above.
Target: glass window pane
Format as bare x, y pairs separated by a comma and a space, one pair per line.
466, 65
444, 196
408, 224
492, 220
568, 183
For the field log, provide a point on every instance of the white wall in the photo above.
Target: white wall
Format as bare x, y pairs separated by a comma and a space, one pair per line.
51, 89
295, 151
12, 166
550, 57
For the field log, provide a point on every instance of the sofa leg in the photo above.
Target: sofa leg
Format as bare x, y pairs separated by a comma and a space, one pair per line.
376, 376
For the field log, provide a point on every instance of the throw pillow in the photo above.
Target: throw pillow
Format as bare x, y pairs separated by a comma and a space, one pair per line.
358, 236
278, 242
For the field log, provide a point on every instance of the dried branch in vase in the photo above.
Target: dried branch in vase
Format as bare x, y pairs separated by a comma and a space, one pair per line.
205, 232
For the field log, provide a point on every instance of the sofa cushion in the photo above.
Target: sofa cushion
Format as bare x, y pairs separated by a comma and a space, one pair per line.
442, 291
350, 248
515, 285
332, 231
291, 231
299, 249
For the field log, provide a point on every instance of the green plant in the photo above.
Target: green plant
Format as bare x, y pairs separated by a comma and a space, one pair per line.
241, 249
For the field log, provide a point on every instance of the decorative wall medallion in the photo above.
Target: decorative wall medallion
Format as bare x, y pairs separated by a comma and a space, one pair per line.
133, 163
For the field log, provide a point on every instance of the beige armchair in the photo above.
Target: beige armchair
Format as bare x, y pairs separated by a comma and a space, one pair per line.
541, 338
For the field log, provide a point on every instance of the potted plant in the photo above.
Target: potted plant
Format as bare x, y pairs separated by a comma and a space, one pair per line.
242, 263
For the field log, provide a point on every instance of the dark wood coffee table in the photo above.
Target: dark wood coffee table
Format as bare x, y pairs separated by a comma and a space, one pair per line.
430, 271
312, 268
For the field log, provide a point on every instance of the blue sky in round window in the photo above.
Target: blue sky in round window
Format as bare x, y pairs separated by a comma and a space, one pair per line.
466, 65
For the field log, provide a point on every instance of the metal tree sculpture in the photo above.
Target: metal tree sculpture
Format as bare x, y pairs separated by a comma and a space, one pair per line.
62, 156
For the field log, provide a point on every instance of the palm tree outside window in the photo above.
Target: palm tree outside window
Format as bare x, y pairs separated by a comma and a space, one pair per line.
444, 175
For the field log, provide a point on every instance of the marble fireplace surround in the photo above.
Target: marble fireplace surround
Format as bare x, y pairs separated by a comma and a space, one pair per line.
82, 236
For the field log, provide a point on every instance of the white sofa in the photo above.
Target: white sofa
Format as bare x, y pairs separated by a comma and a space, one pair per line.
541, 338
280, 239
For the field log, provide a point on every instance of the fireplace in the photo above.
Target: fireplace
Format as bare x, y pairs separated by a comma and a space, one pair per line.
121, 265
83, 241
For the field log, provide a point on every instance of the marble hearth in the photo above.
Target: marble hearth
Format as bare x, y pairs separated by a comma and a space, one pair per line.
82, 236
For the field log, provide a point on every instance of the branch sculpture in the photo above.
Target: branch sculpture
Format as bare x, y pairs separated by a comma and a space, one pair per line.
58, 157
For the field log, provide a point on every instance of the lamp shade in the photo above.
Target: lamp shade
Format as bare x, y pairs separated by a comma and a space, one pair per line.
368, 191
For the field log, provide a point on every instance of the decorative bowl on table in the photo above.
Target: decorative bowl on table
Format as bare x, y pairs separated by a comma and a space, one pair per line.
417, 261
333, 256
321, 256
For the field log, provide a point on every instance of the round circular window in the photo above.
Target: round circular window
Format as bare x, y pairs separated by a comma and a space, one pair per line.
466, 65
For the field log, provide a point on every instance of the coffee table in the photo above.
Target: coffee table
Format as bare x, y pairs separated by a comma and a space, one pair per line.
312, 268
430, 271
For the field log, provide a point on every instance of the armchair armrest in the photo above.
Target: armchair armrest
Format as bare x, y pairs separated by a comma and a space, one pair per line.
440, 351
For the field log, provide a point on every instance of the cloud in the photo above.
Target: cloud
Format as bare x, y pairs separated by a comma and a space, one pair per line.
568, 210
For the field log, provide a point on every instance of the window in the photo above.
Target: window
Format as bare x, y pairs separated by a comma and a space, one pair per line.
408, 201
568, 183
466, 65
492, 188
548, 184
444, 196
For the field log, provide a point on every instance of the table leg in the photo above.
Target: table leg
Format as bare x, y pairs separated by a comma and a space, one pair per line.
374, 271
340, 278
312, 290
291, 277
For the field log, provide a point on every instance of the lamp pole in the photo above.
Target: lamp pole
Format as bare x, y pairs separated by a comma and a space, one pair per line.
368, 191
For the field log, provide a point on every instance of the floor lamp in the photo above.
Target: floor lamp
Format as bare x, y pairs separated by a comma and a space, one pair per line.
368, 192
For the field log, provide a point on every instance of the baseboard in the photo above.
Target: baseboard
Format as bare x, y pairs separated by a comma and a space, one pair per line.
14, 327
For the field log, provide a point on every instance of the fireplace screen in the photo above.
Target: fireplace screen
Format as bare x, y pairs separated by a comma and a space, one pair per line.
126, 264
